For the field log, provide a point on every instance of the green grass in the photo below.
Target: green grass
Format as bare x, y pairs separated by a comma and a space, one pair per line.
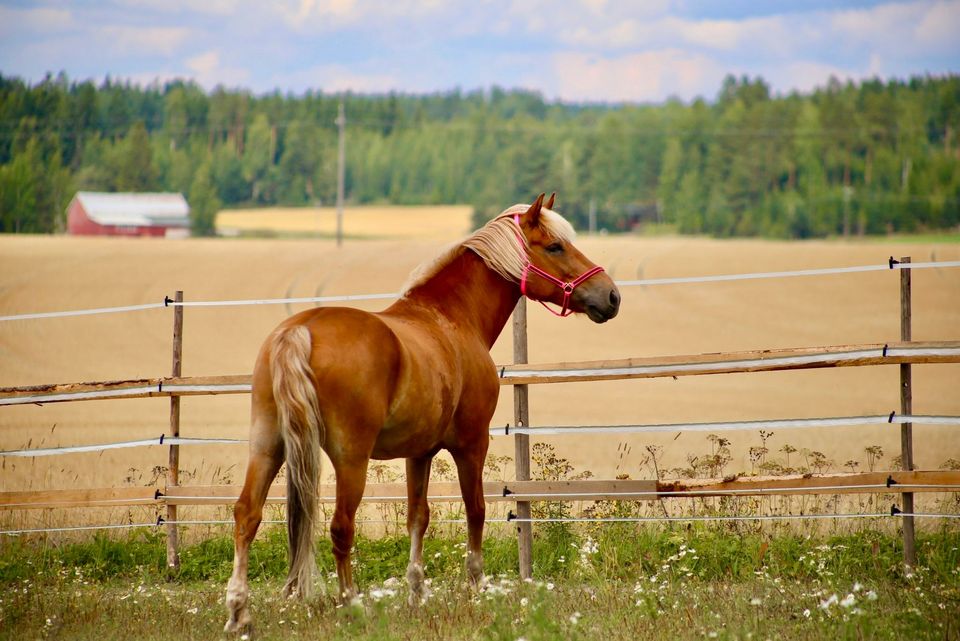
611, 582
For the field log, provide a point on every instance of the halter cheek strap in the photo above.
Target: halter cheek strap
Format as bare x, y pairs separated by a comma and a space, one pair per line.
567, 287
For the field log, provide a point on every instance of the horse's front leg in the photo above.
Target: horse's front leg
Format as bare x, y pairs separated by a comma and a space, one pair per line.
247, 513
418, 518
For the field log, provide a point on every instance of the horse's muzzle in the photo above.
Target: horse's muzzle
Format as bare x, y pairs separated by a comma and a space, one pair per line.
600, 306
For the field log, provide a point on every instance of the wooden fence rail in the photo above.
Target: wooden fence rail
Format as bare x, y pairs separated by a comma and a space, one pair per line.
607, 370
888, 482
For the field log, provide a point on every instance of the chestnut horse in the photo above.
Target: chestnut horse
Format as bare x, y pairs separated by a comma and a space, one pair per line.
402, 383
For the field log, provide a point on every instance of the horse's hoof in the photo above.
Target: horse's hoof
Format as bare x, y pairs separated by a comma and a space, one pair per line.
241, 626
417, 580
416, 598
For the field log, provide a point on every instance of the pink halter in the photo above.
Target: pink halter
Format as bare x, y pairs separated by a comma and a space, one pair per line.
566, 287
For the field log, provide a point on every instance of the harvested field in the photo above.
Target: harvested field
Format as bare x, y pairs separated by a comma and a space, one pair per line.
425, 223
58, 273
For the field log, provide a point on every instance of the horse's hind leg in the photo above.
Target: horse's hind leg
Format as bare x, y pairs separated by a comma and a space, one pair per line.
470, 473
266, 456
351, 480
418, 518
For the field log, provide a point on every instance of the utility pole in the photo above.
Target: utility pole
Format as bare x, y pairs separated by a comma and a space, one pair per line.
341, 169
592, 216
847, 193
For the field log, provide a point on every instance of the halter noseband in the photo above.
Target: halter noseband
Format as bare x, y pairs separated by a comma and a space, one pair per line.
567, 287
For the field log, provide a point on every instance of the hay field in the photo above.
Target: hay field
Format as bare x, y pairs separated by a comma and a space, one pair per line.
368, 222
56, 273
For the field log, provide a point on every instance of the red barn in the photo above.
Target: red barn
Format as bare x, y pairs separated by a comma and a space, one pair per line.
128, 214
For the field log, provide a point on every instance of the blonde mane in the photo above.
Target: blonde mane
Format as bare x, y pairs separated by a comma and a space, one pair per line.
497, 244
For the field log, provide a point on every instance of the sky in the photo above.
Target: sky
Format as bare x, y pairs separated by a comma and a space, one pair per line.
574, 50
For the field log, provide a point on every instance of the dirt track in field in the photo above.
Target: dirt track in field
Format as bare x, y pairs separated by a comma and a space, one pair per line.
59, 273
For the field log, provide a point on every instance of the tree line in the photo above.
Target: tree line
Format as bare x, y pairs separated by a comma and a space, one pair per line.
849, 158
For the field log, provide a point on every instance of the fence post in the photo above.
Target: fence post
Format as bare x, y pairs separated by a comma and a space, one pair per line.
173, 469
906, 409
521, 418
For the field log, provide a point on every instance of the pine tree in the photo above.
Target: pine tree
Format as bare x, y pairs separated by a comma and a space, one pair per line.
135, 170
258, 155
204, 203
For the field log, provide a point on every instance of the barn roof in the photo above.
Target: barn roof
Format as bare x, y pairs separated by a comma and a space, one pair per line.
142, 209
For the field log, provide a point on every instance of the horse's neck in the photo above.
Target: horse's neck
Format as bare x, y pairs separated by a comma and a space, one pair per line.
470, 294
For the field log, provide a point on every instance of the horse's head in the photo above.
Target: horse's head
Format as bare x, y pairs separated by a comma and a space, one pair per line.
558, 272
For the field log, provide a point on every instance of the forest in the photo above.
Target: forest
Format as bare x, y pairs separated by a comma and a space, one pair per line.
873, 157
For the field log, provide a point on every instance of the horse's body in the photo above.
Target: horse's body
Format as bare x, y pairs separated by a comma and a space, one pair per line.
402, 383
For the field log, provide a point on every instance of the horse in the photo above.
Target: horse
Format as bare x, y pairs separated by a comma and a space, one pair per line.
402, 383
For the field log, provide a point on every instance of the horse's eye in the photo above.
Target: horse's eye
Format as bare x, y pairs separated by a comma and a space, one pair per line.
555, 248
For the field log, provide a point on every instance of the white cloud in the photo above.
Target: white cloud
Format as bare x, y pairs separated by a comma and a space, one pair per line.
639, 77
768, 33
910, 29
206, 69
939, 26
806, 76
329, 15
41, 20
132, 40
336, 77
215, 7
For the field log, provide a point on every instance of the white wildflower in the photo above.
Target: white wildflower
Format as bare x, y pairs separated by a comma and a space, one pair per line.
755, 601
193, 610
806, 613
871, 596
826, 603
575, 617
848, 601
376, 593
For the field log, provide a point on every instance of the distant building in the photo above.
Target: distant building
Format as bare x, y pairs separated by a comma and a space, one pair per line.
128, 214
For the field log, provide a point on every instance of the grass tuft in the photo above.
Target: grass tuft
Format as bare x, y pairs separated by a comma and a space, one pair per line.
623, 581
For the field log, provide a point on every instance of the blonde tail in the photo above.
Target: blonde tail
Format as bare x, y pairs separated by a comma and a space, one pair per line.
298, 414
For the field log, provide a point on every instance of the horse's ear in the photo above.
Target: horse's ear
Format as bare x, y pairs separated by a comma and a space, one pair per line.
533, 214
549, 203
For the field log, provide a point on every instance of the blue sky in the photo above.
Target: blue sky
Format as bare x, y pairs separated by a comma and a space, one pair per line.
576, 50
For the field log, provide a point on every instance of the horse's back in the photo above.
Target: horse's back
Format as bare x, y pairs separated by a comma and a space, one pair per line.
396, 380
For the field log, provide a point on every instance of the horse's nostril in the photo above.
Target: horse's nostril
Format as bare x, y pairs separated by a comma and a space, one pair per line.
614, 298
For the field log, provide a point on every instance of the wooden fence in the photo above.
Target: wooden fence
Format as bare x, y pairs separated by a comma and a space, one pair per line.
523, 491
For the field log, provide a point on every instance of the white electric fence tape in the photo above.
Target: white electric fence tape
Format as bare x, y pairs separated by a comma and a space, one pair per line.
731, 425
788, 274
551, 430
84, 312
160, 440
892, 264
